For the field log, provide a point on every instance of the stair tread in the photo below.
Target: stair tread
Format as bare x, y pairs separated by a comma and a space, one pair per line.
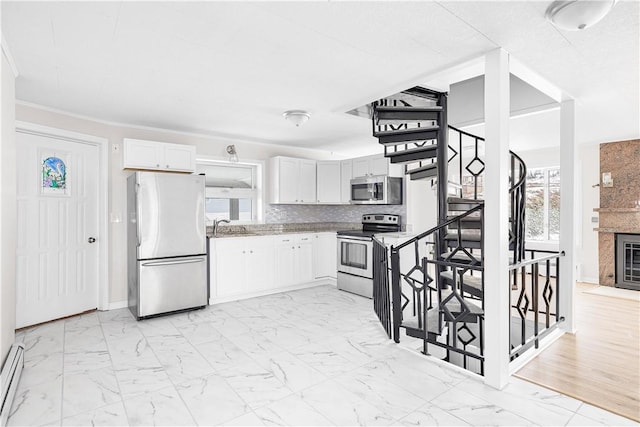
460, 200
459, 256
469, 280
432, 147
405, 108
452, 305
468, 235
405, 131
423, 168
432, 322
472, 217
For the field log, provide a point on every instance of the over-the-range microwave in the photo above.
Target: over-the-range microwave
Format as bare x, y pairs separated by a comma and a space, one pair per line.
376, 190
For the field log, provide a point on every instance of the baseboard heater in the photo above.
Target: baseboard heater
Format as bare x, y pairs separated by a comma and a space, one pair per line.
9, 378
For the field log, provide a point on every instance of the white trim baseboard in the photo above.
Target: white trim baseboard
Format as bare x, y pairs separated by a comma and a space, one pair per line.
118, 305
530, 354
247, 295
592, 280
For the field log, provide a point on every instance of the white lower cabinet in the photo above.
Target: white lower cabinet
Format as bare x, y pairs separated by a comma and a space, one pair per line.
244, 267
325, 255
294, 259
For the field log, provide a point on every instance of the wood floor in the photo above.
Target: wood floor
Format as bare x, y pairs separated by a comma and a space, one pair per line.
600, 364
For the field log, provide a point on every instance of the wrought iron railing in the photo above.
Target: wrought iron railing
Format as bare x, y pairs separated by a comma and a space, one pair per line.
447, 313
534, 300
475, 174
381, 294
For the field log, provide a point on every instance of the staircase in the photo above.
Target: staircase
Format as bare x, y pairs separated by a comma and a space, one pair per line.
437, 278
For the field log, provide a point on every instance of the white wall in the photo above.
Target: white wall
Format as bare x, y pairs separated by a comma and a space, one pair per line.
117, 176
589, 197
422, 205
7, 209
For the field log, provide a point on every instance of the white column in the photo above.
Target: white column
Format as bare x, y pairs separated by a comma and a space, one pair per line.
496, 219
568, 213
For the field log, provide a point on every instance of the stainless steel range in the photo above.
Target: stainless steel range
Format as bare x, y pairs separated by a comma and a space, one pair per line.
355, 253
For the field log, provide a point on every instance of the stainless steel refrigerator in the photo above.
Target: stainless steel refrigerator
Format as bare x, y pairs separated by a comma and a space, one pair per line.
167, 245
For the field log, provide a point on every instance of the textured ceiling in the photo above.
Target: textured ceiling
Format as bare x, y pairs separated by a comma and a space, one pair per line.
232, 68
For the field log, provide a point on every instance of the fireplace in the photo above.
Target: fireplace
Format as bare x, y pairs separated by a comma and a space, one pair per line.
628, 261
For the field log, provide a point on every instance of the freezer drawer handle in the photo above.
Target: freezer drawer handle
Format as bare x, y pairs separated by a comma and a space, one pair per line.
188, 261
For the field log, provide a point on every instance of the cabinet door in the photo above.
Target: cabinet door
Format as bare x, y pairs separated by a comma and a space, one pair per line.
140, 154
379, 165
360, 167
179, 157
328, 179
288, 180
304, 259
285, 263
325, 255
307, 181
346, 174
260, 261
230, 267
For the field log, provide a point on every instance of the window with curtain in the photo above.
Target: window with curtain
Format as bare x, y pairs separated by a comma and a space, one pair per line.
231, 191
543, 204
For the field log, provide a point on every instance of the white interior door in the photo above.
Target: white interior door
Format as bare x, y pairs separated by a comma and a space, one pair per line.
57, 253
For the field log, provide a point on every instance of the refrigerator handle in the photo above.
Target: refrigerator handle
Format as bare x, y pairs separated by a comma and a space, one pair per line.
172, 262
138, 231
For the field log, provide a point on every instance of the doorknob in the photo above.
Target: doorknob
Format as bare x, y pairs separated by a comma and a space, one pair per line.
91, 239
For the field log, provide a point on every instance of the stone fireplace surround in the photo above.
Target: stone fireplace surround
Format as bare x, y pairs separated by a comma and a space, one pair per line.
619, 209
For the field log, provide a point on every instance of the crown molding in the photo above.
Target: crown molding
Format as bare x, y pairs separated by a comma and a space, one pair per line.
7, 54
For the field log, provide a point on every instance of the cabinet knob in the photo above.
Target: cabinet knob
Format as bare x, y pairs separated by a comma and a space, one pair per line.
244, 252
157, 165
298, 247
250, 252
293, 247
167, 166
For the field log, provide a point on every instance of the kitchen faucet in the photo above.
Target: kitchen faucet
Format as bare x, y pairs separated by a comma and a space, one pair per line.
216, 222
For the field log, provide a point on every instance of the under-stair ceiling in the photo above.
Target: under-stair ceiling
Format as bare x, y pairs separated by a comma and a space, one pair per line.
232, 68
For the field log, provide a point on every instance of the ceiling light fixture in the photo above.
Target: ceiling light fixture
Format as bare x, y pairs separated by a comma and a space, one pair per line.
233, 156
575, 15
297, 117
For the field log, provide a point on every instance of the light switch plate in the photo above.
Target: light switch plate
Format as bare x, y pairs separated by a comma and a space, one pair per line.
607, 181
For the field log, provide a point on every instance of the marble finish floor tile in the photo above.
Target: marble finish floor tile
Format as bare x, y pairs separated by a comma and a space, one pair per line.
211, 400
256, 385
291, 411
110, 415
316, 356
431, 415
88, 390
37, 405
159, 408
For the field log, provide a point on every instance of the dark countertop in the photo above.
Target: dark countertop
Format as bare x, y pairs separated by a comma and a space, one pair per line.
278, 229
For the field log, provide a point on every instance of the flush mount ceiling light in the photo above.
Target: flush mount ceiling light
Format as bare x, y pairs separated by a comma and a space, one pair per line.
574, 15
297, 117
233, 155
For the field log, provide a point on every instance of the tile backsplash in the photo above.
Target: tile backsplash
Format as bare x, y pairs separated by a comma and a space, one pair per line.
328, 213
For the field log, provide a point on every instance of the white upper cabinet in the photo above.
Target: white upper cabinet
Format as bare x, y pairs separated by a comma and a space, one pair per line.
329, 184
151, 155
346, 173
360, 167
375, 165
307, 181
292, 180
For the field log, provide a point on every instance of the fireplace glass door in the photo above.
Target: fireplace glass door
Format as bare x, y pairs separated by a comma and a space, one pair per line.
628, 261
